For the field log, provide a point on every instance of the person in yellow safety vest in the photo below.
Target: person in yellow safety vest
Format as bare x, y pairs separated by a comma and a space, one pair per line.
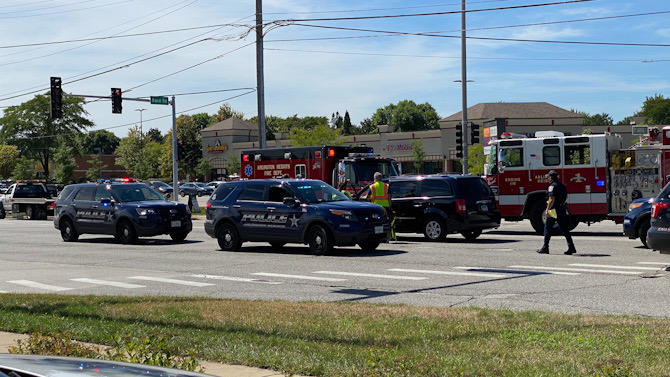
379, 194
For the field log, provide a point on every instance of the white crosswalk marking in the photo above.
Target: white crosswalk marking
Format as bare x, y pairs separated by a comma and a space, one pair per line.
615, 267
34, 284
578, 270
656, 263
172, 281
303, 277
110, 283
456, 273
231, 278
371, 275
509, 271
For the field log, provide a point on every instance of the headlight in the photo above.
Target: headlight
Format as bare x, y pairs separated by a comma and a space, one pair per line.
144, 211
346, 214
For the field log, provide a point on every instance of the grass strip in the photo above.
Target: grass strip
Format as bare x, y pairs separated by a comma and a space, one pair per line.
355, 339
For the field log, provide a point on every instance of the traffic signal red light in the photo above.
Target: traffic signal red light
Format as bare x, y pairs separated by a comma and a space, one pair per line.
116, 101
56, 98
180, 150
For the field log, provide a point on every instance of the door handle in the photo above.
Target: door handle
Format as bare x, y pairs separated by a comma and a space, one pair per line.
271, 208
236, 206
95, 206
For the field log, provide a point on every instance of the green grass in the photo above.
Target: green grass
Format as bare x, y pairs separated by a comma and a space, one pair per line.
354, 339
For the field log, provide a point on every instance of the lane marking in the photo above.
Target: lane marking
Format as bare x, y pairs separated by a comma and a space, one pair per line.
579, 270
231, 278
521, 272
172, 281
370, 275
610, 266
34, 284
110, 283
302, 277
457, 273
655, 263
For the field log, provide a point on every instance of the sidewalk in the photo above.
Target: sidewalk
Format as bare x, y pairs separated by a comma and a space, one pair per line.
216, 369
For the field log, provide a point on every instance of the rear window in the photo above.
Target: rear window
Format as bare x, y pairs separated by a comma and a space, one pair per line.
65, 193
435, 187
474, 187
222, 192
29, 189
403, 189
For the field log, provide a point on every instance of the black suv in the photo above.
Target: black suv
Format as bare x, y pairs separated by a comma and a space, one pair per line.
437, 205
658, 235
125, 210
293, 211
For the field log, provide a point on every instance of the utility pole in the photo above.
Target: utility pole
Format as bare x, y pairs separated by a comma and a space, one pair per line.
175, 171
141, 135
464, 91
260, 80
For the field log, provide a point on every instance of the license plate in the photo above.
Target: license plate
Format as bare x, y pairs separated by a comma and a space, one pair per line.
175, 223
485, 208
379, 229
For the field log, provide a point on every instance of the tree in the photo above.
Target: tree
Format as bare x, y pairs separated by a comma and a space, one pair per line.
204, 167
319, 135
187, 132
152, 152
9, 157
30, 127
106, 141
225, 112
418, 154
154, 135
130, 153
656, 109
203, 120
368, 127
336, 121
347, 128
233, 165
24, 169
407, 116
95, 171
476, 159
65, 164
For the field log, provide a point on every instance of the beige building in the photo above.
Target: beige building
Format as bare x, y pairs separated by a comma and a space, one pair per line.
228, 138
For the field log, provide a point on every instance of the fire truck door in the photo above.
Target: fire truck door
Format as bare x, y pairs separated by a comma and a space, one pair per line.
584, 174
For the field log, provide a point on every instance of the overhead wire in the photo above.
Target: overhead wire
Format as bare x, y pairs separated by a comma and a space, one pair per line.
67, 11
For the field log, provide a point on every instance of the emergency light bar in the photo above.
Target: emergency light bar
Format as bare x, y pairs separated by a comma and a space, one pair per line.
331, 152
31, 181
110, 180
245, 158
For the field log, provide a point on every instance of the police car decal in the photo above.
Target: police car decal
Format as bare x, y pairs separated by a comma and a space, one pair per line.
269, 220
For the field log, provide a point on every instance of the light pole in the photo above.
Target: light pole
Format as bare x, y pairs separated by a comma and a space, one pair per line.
141, 132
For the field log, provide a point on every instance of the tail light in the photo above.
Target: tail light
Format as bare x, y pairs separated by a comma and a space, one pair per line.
657, 207
53, 205
460, 206
209, 204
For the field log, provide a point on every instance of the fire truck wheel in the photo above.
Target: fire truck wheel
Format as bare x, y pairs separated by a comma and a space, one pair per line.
434, 229
642, 232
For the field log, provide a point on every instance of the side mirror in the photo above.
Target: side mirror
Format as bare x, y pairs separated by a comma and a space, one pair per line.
291, 202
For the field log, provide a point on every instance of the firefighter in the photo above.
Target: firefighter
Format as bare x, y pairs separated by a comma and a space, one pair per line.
379, 194
556, 212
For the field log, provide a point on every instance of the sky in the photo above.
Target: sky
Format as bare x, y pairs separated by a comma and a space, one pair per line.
322, 57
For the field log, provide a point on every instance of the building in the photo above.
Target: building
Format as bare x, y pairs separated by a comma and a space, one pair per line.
226, 140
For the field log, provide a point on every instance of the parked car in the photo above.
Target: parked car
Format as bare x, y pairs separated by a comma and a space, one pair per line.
437, 205
293, 211
658, 235
162, 187
215, 184
636, 222
125, 209
188, 188
206, 190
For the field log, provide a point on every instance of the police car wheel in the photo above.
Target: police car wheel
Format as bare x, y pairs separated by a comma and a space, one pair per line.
368, 246
67, 231
434, 229
319, 240
125, 232
178, 236
228, 238
642, 232
471, 235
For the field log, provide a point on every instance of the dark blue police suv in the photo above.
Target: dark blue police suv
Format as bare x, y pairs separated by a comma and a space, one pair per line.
281, 211
123, 208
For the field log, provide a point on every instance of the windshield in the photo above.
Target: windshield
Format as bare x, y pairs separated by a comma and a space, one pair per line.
200, 184
161, 184
365, 171
318, 192
135, 193
493, 161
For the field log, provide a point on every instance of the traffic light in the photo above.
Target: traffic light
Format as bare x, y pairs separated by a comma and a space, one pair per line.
459, 141
180, 150
116, 101
56, 98
474, 134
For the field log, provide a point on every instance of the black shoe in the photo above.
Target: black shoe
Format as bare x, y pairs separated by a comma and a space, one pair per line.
542, 251
570, 251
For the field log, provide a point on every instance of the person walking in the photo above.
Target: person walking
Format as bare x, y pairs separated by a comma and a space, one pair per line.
556, 212
379, 194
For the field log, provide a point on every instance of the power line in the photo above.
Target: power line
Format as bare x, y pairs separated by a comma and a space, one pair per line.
68, 11
384, 9
22, 5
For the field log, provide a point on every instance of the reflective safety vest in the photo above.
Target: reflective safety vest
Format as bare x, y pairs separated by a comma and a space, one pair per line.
379, 194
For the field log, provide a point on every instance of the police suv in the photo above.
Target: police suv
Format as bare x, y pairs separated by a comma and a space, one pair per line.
123, 208
281, 211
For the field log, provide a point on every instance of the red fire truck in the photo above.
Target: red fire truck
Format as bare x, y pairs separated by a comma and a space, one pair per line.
602, 178
327, 163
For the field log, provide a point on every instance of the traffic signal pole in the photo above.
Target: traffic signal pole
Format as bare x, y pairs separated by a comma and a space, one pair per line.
464, 91
175, 170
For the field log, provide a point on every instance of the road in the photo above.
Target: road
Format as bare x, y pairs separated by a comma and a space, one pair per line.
610, 275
